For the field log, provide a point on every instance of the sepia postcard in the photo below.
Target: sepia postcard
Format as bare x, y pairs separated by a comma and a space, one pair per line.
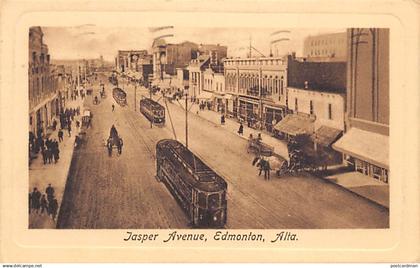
186, 131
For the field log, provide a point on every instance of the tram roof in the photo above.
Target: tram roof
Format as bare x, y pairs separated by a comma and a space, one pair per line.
206, 177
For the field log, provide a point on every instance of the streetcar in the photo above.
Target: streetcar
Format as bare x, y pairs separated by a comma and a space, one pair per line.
199, 190
120, 96
153, 111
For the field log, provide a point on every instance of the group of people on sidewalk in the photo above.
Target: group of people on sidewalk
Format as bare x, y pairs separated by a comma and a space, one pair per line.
38, 203
50, 151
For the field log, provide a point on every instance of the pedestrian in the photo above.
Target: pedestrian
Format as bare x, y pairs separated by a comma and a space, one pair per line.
44, 204
30, 202
259, 138
120, 145
36, 195
222, 119
241, 130
69, 128
53, 207
49, 155
54, 124
77, 123
113, 107
266, 169
260, 166
50, 192
60, 135
44, 155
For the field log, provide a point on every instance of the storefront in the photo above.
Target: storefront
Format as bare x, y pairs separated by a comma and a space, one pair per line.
219, 103
365, 152
249, 111
273, 115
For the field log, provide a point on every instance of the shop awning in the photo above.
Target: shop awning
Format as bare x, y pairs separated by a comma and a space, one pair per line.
326, 135
205, 95
294, 124
365, 145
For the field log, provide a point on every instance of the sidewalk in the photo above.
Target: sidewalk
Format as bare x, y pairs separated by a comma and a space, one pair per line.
356, 182
41, 175
280, 147
363, 185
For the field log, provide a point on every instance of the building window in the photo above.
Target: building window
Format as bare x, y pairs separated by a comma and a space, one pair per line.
281, 85
329, 111
311, 107
296, 104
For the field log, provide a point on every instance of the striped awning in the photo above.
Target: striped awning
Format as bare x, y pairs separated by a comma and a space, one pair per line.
326, 135
294, 124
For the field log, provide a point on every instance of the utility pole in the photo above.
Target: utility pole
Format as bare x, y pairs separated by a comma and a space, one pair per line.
186, 118
135, 96
150, 96
260, 93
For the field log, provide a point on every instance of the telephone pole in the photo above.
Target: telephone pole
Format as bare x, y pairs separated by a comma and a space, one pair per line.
186, 118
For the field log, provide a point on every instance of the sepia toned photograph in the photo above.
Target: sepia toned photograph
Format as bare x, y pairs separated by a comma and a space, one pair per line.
179, 128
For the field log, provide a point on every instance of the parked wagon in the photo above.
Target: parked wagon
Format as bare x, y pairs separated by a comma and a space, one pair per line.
198, 189
120, 96
258, 147
153, 111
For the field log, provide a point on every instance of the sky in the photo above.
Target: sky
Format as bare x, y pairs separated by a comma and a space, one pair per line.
90, 41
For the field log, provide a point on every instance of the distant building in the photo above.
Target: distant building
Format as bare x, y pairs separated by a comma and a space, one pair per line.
181, 80
43, 95
214, 82
168, 57
326, 47
216, 53
259, 89
131, 60
365, 145
196, 70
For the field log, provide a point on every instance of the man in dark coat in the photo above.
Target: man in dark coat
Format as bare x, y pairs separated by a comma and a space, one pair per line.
266, 169
60, 135
36, 195
50, 192
53, 205
241, 130
44, 154
44, 204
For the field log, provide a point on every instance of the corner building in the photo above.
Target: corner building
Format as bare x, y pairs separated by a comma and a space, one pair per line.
365, 145
43, 98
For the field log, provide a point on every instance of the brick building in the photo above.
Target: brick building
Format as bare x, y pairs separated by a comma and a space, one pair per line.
365, 145
43, 94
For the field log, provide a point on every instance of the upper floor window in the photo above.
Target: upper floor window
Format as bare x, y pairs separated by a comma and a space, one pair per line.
311, 107
329, 111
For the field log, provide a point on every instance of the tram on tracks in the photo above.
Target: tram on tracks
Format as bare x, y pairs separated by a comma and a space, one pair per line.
199, 190
153, 111
120, 96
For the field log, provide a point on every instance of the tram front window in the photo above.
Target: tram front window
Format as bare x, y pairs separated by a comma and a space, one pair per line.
213, 201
